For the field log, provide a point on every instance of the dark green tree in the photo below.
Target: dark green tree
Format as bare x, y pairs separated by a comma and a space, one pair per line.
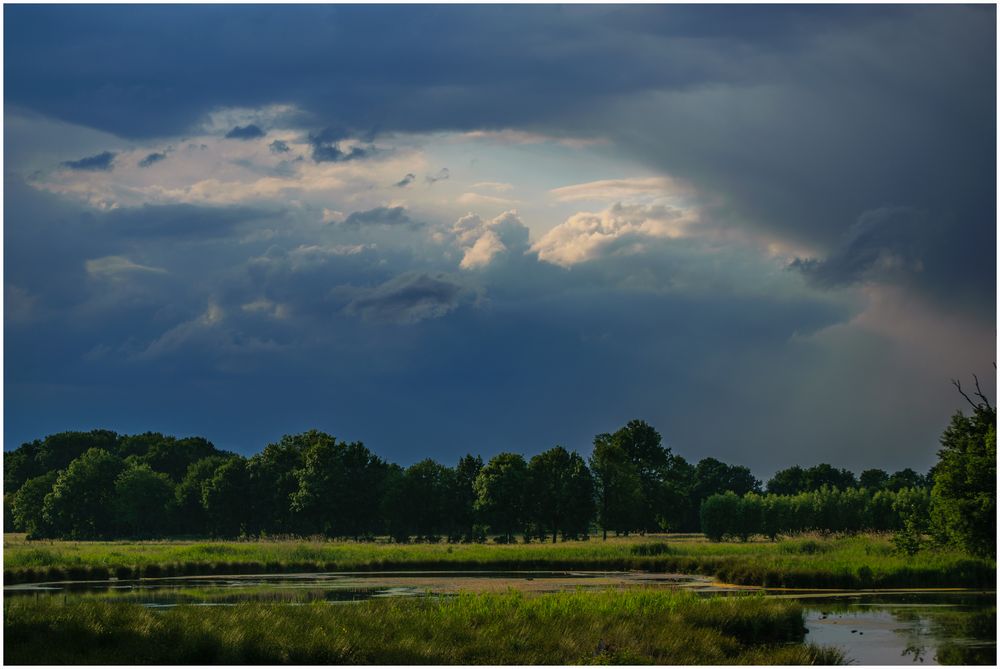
173, 456
906, 478
27, 503
643, 446
873, 479
463, 497
826, 475
787, 481
141, 501
425, 495
964, 496
618, 487
340, 487
501, 490
54, 452
274, 479
721, 516
561, 492
80, 505
187, 511
226, 497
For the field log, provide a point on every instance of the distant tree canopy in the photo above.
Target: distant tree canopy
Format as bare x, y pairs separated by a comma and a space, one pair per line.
89, 485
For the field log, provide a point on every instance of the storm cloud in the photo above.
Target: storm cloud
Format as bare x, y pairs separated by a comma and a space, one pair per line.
785, 216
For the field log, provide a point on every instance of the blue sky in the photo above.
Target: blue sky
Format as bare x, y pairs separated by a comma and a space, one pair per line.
768, 231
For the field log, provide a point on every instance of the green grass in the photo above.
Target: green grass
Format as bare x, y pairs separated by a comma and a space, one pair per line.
633, 627
868, 561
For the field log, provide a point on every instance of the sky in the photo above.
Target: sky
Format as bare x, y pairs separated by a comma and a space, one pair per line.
769, 231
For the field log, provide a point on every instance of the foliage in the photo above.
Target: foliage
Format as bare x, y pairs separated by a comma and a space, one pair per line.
340, 486
141, 496
827, 510
619, 488
27, 504
562, 492
501, 493
642, 445
796, 479
963, 500
913, 507
225, 497
80, 505
187, 507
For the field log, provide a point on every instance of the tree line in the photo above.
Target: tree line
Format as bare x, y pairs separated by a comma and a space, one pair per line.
98, 484
955, 504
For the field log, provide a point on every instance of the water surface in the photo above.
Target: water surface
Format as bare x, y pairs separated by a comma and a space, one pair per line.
883, 627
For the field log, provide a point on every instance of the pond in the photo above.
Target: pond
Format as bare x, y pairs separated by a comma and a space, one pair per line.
871, 627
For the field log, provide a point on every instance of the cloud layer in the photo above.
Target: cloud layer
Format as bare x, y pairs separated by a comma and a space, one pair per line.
755, 227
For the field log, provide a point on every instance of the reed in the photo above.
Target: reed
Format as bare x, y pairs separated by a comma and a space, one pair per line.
632, 627
867, 561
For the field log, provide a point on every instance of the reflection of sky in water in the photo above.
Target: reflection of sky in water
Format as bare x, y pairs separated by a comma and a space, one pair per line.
915, 628
897, 627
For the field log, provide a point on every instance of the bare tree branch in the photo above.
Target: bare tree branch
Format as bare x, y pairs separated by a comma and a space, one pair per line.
968, 399
979, 393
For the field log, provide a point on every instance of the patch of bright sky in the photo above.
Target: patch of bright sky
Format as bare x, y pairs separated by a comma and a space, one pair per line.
488, 173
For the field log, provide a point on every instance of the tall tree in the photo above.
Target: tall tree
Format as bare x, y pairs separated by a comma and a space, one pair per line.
141, 500
873, 479
964, 496
788, 481
620, 502
340, 486
172, 456
561, 491
643, 446
187, 511
501, 489
274, 479
425, 486
26, 505
226, 496
826, 475
463, 496
80, 505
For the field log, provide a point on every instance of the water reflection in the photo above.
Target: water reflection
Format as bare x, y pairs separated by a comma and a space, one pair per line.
907, 628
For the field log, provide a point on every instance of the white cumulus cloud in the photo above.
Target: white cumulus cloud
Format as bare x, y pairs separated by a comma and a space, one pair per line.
483, 241
620, 228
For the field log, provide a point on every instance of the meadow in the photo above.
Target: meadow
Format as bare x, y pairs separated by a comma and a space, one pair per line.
633, 627
863, 561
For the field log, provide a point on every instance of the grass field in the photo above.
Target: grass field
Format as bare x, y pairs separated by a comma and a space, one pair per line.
847, 562
634, 627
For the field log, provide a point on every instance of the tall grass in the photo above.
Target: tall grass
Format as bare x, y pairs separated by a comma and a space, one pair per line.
634, 627
849, 562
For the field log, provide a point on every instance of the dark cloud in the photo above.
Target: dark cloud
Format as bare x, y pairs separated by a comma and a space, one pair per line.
100, 162
806, 124
245, 132
152, 158
883, 244
405, 181
330, 152
380, 216
279, 146
407, 299
847, 109
177, 221
441, 175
